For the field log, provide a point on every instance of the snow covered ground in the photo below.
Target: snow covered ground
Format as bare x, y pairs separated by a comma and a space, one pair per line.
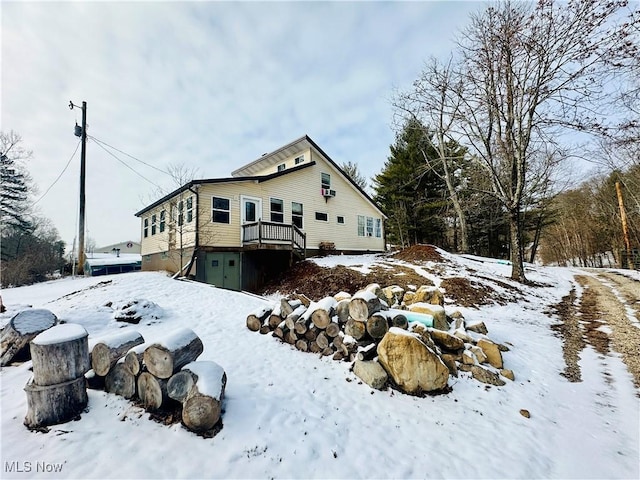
290, 414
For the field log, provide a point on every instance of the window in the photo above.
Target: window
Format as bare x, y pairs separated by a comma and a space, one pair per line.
220, 211
163, 221
180, 213
369, 227
326, 180
153, 224
296, 214
146, 228
361, 225
189, 209
299, 160
378, 228
277, 210
323, 217
340, 219
281, 167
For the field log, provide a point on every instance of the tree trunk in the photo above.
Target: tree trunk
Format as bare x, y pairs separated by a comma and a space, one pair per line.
302, 345
275, 317
166, 357
321, 312
398, 319
134, 357
322, 340
120, 380
53, 404
108, 350
256, 319
60, 354
23, 328
355, 328
363, 305
293, 317
377, 325
342, 311
332, 330
152, 391
182, 382
367, 353
517, 248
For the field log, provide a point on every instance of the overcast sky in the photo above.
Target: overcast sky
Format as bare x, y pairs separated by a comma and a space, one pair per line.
210, 84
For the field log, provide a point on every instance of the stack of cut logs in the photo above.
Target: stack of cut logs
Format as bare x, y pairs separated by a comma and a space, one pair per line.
160, 372
351, 327
339, 325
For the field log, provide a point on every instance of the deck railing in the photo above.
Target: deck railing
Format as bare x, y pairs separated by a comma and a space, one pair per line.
261, 232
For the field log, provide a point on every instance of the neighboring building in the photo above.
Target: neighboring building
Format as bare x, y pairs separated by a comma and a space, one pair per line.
238, 232
109, 263
122, 247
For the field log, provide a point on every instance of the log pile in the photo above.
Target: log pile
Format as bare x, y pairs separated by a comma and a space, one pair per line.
351, 328
123, 364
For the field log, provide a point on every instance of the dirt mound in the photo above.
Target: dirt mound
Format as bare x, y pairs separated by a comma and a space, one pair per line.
467, 293
317, 282
420, 253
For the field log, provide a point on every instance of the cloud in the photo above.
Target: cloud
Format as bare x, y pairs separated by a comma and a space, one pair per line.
209, 84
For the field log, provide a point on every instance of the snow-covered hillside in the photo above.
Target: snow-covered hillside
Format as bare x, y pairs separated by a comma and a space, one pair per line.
290, 414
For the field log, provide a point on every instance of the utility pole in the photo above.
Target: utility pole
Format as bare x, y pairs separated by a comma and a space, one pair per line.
83, 153
625, 228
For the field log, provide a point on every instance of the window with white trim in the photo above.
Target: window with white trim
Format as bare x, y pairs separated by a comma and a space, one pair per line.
378, 228
361, 225
323, 217
189, 209
282, 166
146, 227
369, 226
276, 210
340, 219
180, 213
299, 160
154, 219
325, 180
163, 221
220, 210
296, 214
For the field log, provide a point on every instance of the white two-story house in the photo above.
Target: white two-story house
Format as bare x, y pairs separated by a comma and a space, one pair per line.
240, 231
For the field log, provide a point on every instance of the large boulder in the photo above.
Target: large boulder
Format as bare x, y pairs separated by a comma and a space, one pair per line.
429, 294
446, 340
371, 373
413, 366
491, 350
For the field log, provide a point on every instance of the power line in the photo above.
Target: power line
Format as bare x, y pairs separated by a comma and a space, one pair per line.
126, 165
61, 173
128, 155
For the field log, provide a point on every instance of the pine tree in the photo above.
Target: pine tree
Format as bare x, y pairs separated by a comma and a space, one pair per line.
14, 184
410, 193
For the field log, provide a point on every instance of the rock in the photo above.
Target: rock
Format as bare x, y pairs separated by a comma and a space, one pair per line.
506, 373
485, 376
408, 297
462, 335
413, 366
446, 340
371, 373
436, 311
429, 294
491, 350
478, 327
479, 353
424, 335
502, 348
394, 294
468, 358
525, 413
457, 315
449, 359
457, 323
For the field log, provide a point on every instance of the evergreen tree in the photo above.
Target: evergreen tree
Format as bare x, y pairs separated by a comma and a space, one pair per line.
353, 172
14, 184
411, 194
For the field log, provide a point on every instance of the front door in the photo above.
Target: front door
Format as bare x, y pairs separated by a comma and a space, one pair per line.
223, 269
251, 211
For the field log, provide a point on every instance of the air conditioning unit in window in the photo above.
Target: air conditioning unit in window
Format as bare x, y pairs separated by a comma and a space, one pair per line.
328, 193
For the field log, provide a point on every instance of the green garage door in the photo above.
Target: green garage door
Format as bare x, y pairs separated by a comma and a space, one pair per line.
223, 269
